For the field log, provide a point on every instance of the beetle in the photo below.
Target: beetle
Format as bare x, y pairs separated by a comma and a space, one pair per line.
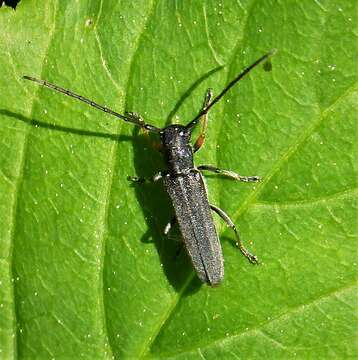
184, 182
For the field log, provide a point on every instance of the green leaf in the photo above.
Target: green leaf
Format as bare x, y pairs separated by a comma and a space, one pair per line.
85, 271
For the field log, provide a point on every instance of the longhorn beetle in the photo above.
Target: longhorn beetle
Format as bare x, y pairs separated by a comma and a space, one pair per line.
185, 184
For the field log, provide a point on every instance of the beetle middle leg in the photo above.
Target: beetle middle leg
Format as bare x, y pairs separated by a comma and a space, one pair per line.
166, 232
169, 226
252, 258
153, 179
229, 173
204, 122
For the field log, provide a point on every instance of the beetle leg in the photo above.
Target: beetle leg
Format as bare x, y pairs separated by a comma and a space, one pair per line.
229, 173
153, 179
167, 230
252, 258
204, 122
169, 225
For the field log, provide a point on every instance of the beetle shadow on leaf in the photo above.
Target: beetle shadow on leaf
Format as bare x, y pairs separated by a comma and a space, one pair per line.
155, 202
188, 92
61, 128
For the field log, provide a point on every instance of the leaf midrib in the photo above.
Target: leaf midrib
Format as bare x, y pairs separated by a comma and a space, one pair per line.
171, 308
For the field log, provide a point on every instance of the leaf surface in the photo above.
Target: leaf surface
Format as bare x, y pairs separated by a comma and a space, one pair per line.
84, 268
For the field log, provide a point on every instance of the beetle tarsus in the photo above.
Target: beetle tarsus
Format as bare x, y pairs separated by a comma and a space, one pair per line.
251, 257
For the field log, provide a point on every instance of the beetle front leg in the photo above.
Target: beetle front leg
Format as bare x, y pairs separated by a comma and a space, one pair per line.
203, 121
252, 258
153, 179
229, 173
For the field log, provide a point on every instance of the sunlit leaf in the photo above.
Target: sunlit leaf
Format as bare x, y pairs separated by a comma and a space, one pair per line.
85, 271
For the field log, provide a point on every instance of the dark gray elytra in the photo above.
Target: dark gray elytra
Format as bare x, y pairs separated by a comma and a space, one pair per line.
185, 184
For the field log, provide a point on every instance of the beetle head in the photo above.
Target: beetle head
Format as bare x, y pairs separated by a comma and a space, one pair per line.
175, 136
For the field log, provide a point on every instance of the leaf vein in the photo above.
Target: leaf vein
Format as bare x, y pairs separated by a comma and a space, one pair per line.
292, 149
279, 318
342, 195
104, 63
217, 58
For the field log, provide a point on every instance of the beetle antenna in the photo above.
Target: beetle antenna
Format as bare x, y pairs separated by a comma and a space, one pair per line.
232, 83
130, 117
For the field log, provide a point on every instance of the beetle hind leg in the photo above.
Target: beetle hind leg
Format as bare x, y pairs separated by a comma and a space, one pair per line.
228, 173
251, 257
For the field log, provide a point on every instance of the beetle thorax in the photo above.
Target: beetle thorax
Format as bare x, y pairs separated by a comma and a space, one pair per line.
177, 149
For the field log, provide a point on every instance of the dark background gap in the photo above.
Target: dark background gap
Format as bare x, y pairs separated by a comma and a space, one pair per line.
11, 3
